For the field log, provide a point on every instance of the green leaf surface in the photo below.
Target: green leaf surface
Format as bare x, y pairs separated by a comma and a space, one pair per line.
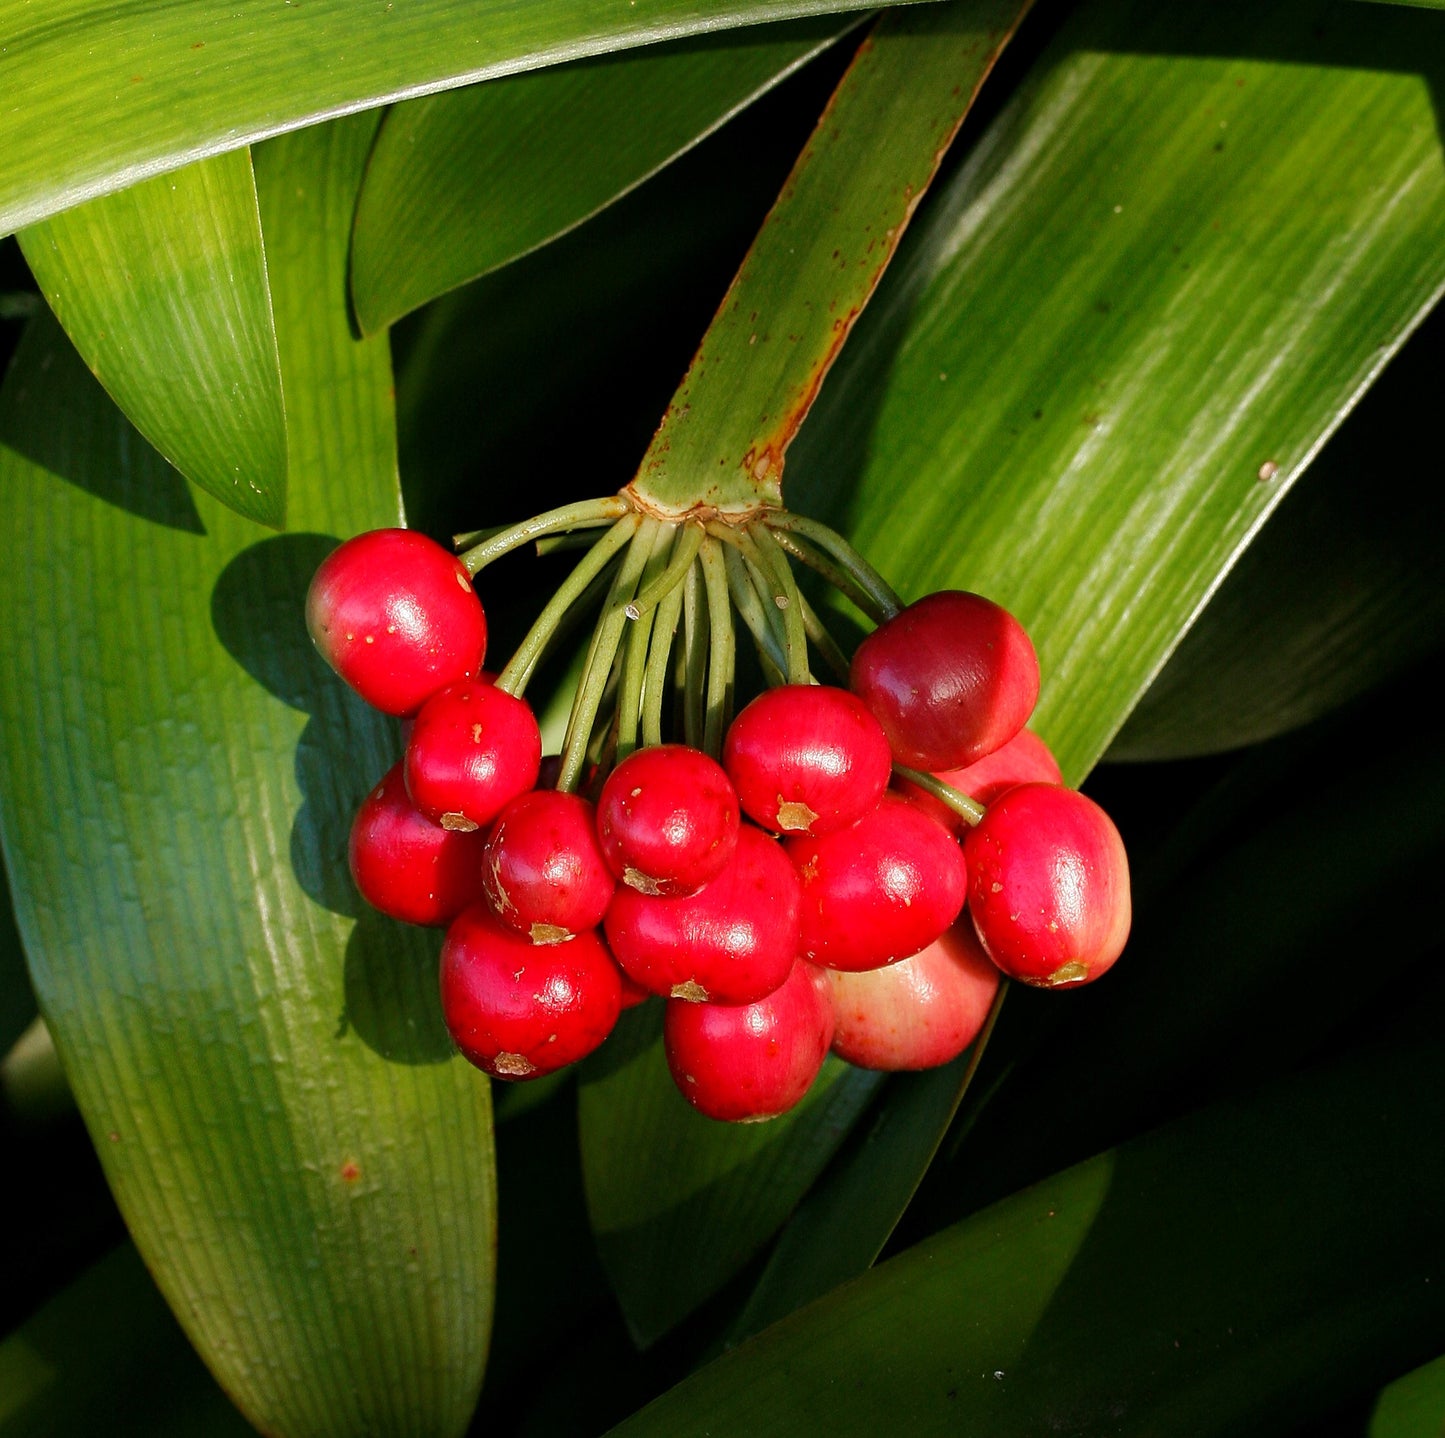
678, 1202
17, 1001
305, 1167
162, 288
99, 95
821, 252
1174, 1285
461, 183
1340, 592
1139, 293
1412, 1406
106, 1356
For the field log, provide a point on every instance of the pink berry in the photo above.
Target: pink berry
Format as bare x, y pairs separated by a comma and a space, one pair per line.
951, 678
880, 890
472, 749
1025, 759
395, 615
919, 1012
667, 818
746, 1062
542, 868
1049, 886
732, 942
807, 759
408, 867
518, 1009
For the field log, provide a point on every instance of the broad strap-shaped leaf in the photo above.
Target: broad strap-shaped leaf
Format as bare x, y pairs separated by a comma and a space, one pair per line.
463, 182
1174, 1285
105, 1356
820, 254
678, 1202
305, 1167
162, 288
1140, 294
1412, 1406
17, 1002
99, 95
1340, 591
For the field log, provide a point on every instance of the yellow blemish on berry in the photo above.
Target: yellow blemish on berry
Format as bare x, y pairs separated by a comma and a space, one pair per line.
476, 733
461, 578
513, 1065
692, 991
457, 823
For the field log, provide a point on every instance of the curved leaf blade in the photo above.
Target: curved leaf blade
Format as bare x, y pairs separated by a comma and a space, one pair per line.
462, 183
1172, 1285
1140, 294
99, 96
1412, 1406
162, 288
304, 1166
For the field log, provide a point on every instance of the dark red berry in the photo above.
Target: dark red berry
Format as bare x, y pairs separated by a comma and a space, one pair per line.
879, 890
1049, 886
408, 867
732, 942
667, 819
750, 1061
473, 748
395, 615
1025, 759
543, 870
518, 1009
951, 678
807, 759
919, 1012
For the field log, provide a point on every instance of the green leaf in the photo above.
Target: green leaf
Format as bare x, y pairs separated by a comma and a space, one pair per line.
100, 95
461, 183
820, 254
1174, 1285
1340, 591
1138, 294
679, 1203
1411, 1407
305, 1167
17, 1002
162, 288
105, 1356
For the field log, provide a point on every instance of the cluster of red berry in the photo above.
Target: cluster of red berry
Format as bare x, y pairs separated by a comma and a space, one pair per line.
803, 890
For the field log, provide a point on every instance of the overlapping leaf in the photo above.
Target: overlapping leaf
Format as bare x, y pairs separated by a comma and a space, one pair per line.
303, 1165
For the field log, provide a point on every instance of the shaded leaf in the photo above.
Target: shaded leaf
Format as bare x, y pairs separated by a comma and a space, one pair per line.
162, 288
305, 1168
17, 1002
1138, 293
463, 182
101, 95
1412, 1406
1172, 1285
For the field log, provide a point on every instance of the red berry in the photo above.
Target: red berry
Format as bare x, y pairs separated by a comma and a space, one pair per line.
807, 759
408, 867
1025, 759
879, 890
518, 1009
919, 1012
1049, 886
543, 870
473, 748
395, 615
951, 678
667, 818
732, 942
750, 1061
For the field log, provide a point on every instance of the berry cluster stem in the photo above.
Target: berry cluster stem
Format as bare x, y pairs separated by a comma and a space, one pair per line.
589, 514
969, 810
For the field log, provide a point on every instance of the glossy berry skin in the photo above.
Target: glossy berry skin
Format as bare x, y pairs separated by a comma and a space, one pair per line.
517, 1009
1025, 759
1049, 886
807, 759
395, 615
473, 748
542, 868
951, 678
919, 1012
667, 819
732, 942
879, 890
408, 867
745, 1062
